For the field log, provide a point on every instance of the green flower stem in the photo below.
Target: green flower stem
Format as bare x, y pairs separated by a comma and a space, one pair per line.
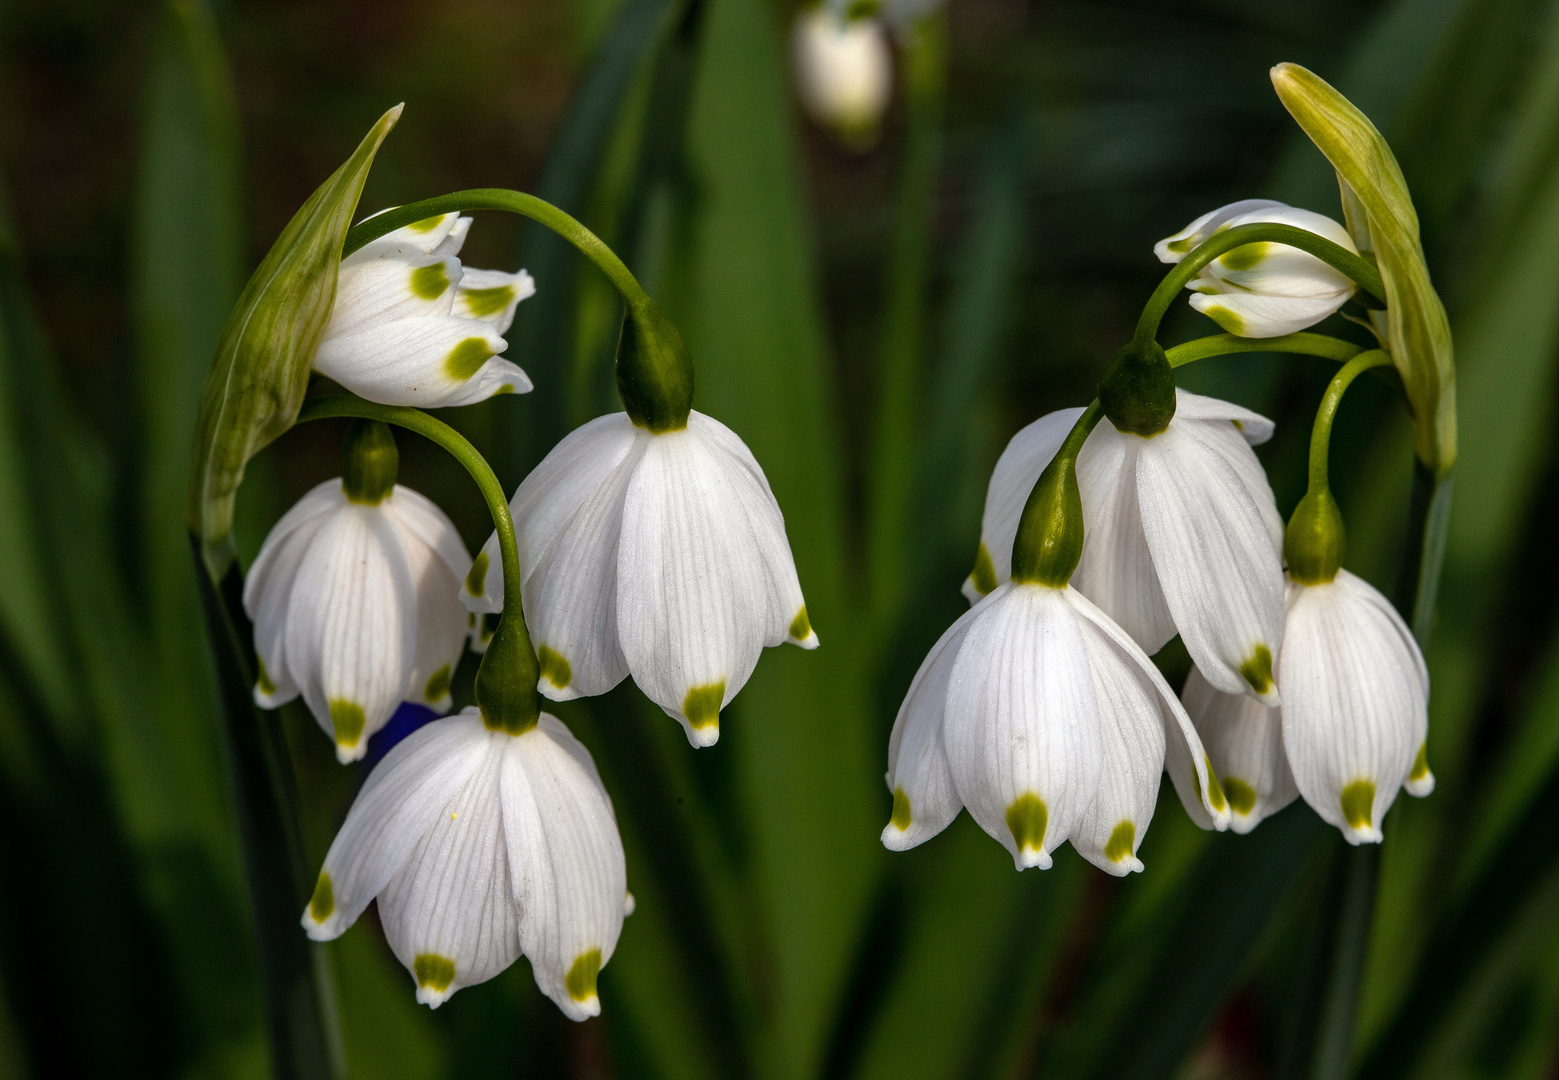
1321, 433
1340, 258
515, 202
518, 688
1321, 345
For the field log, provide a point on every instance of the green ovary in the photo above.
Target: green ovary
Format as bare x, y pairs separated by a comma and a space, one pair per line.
554, 667
581, 977
702, 705
467, 358
1026, 819
348, 720
433, 971
901, 812
1358, 804
1242, 797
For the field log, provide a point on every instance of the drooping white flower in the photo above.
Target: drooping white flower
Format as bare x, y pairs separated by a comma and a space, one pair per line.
481, 845
1182, 533
844, 72
1244, 741
1264, 289
411, 326
1355, 704
355, 606
1049, 723
662, 556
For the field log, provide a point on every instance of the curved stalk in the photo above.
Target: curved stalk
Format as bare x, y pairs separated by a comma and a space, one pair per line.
1322, 345
1321, 433
1353, 266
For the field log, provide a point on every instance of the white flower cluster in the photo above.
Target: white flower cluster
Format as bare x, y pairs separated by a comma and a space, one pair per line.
660, 555
1039, 709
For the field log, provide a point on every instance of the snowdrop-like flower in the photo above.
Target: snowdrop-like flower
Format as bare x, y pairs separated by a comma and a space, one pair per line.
1264, 289
481, 845
1049, 723
411, 326
1183, 533
1355, 704
354, 598
662, 556
1244, 741
844, 72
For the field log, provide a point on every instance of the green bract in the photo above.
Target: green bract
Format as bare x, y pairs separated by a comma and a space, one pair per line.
1381, 217
261, 371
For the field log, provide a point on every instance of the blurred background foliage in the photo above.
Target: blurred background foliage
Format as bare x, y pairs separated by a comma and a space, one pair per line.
875, 325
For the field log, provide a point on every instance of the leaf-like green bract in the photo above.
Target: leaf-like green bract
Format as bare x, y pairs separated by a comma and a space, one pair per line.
261, 371
1381, 218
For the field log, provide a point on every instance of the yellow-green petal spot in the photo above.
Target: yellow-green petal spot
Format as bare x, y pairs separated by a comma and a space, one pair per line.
1420, 763
901, 814
1026, 819
580, 980
438, 684
348, 720
268, 686
801, 626
1358, 804
1214, 788
1119, 845
427, 224
1226, 319
1181, 246
1258, 669
1246, 256
476, 580
433, 971
984, 573
1242, 797
702, 705
323, 902
554, 667
429, 282
467, 358
482, 302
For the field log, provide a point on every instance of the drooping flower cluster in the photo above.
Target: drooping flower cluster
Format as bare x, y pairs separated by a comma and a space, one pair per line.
650, 545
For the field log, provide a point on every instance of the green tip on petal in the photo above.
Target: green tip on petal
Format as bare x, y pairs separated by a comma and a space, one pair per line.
429, 282
983, 576
1420, 763
1358, 805
347, 719
265, 683
702, 706
323, 902
801, 626
467, 358
1119, 845
476, 580
555, 667
433, 972
1242, 797
1215, 793
1257, 672
482, 302
581, 978
901, 813
438, 685
1026, 819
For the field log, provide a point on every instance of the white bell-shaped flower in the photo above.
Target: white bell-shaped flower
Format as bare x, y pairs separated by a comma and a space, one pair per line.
1355, 704
481, 845
411, 326
844, 72
1264, 289
1049, 723
662, 556
1183, 534
1244, 741
355, 602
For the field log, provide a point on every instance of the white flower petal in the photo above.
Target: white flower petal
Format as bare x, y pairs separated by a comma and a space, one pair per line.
1116, 570
437, 560
492, 296
693, 591
448, 912
569, 878
452, 243
1183, 754
427, 362
1213, 552
1256, 428
419, 238
1021, 730
844, 71
1025, 457
924, 799
402, 799
1354, 712
1244, 740
390, 289
1250, 315
1172, 249
351, 625
1235, 449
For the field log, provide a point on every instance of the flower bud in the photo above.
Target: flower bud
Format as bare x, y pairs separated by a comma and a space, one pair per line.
844, 73
1137, 389
1315, 540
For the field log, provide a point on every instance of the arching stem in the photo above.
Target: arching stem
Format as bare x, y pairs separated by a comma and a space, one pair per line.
1322, 345
1321, 433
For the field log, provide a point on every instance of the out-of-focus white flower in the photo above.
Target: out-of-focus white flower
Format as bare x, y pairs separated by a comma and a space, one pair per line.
1355, 704
481, 845
411, 326
1244, 741
844, 72
1182, 533
1048, 722
1264, 289
355, 605
662, 556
